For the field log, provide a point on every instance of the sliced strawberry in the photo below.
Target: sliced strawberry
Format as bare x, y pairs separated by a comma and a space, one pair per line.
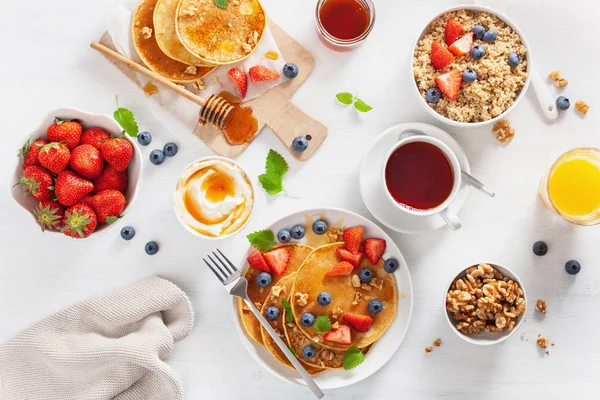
278, 260
453, 31
240, 80
341, 268
257, 261
341, 335
353, 259
463, 45
258, 73
353, 237
440, 56
361, 323
449, 83
374, 249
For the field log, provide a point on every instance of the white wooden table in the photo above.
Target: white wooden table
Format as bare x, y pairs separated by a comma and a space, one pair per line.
47, 63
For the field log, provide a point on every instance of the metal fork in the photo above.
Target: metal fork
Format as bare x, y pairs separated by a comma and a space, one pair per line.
237, 285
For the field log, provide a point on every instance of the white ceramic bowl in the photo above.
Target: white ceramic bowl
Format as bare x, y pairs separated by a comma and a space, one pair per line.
88, 120
486, 338
449, 121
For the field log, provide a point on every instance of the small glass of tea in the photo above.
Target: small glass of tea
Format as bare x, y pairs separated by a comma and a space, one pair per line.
343, 25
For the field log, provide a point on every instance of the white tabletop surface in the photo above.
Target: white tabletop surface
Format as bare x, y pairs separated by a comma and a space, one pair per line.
47, 64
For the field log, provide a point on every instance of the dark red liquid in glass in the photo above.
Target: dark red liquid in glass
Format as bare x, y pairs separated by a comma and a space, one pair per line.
344, 19
419, 175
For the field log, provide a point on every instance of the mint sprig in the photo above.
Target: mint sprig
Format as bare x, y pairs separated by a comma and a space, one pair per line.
263, 240
221, 4
353, 357
126, 119
275, 169
347, 98
322, 324
288, 310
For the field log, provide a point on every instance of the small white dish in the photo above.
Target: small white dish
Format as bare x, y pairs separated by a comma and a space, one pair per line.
486, 338
384, 348
377, 199
88, 120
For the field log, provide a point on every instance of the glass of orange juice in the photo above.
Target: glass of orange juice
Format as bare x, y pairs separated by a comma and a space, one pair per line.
571, 188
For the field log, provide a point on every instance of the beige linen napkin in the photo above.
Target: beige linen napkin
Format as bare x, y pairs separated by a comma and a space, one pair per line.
108, 347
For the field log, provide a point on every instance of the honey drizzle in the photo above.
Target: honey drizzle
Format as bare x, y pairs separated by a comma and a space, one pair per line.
241, 125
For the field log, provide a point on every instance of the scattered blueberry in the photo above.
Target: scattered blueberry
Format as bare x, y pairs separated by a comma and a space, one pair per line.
563, 103
309, 352
144, 138
157, 157
375, 306
469, 75
297, 231
478, 31
433, 95
272, 313
170, 149
290, 70
263, 279
151, 248
127, 232
284, 236
324, 298
513, 60
490, 36
307, 319
391, 265
300, 144
319, 227
477, 52
572, 267
540, 248
365, 275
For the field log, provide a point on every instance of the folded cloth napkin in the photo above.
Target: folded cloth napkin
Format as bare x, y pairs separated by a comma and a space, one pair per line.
108, 347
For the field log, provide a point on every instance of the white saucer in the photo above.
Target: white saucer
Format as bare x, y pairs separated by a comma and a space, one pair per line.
372, 191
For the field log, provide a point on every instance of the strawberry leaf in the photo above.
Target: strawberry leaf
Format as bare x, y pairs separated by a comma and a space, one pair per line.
221, 4
262, 240
361, 106
126, 119
353, 357
111, 219
322, 324
345, 98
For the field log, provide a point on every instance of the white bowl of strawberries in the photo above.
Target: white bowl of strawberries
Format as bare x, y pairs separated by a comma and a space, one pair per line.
76, 173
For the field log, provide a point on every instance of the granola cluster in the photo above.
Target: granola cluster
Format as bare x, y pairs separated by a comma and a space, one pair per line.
485, 300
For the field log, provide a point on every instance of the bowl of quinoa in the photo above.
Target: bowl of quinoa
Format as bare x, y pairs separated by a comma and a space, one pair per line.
498, 85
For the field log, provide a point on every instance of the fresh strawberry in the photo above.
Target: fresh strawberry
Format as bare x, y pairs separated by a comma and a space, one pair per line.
80, 221
453, 31
353, 259
440, 56
37, 181
449, 83
352, 238
341, 268
30, 151
95, 137
108, 205
117, 152
361, 323
278, 260
111, 179
87, 161
374, 249
71, 188
257, 261
54, 157
49, 214
240, 81
258, 73
463, 45
86, 200
341, 335
68, 132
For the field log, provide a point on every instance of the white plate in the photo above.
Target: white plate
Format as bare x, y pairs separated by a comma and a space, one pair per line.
379, 203
384, 348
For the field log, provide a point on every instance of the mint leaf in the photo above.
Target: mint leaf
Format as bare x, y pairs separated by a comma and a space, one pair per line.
353, 357
361, 106
112, 219
273, 184
288, 310
322, 324
275, 164
262, 240
345, 98
221, 4
126, 119
293, 351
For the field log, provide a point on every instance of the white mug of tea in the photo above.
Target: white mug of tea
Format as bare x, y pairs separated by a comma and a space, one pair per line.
422, 176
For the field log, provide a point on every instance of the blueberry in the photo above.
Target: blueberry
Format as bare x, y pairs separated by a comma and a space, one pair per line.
170, 149
375, 306
469, 75
272, 313
297, 231
563, 103
513, 60
151, 248
319, 227
284, 236
365, 275
540, 248
433, 95
144, 138
290, 70
478, 31
263, 279
300, 144
324, 298
477, 52
490, 36
157, 157
307, 319
572, 267
127, 232
391, 265
309, 352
